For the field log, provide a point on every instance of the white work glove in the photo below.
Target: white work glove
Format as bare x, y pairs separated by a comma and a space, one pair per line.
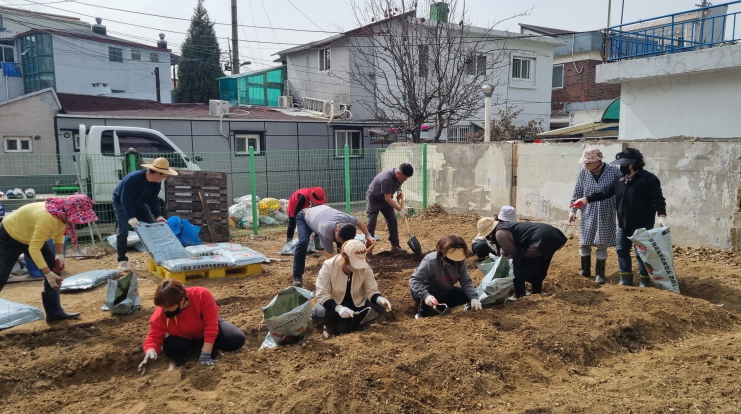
430, 300
383, 302
663, 222
161, 219
369, 240
54, 280
572, 217
206, 359
579, 203
403, 212
150, 355
344, 312
133, 222
60, 262
475, 304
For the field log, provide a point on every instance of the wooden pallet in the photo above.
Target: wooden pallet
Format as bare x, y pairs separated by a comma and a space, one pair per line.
189, 276
201, 198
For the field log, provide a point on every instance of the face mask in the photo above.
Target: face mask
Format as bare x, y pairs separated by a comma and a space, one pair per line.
174, 313
625, 169
449, 260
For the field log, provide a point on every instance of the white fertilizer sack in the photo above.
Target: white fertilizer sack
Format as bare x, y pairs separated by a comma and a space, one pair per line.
161, 242
12, 314
655, 250
287, 317
207, 249
197, 263
242, 256
87, 280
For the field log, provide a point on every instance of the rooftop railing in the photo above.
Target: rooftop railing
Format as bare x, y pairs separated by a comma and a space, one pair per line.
674, 33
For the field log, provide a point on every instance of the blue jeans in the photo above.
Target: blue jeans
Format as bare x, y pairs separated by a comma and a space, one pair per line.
141, 213
299, 253
623, 247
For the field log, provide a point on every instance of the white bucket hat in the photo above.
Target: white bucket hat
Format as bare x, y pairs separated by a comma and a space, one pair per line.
507, 213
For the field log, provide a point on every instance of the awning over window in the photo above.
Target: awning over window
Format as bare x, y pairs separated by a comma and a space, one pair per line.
612, 113
590, 129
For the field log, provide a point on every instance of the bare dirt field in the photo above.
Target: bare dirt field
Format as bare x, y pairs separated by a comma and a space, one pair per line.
578, 348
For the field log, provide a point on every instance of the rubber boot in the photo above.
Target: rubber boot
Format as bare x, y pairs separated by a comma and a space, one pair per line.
626, 279
644, 281
52, 307
599, 271
586, 265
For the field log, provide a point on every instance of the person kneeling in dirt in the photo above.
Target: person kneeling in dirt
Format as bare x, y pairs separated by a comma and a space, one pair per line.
187, 319
331, 226
531, 247
26, 230
347, 293
433, 282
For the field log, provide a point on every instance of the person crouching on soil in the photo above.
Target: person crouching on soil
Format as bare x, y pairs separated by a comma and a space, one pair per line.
531, 247
187, 319
433, 282
483, 243
345, 287
26, 230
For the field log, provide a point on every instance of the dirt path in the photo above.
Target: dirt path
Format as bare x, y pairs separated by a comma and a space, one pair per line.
578, 348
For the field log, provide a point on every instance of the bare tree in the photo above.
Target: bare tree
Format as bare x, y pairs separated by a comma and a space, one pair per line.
413, 70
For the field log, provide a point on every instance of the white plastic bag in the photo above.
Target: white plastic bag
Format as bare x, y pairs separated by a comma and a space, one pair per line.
207, 249
122, 296
242, 256
287, 317
655, 250
497, 283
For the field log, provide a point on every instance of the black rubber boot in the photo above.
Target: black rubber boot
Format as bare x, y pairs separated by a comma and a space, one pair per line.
586, 265
645, 281
599, 271
52, 307
626, 279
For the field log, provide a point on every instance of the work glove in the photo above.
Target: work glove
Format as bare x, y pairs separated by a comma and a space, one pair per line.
344, 312
206, 359
383, 302
579, 203
572, 217
403, 212
133, 222
475, 304
430, 300
54, 280
369, 240
161, 219
663, 222
150, 355
60, 262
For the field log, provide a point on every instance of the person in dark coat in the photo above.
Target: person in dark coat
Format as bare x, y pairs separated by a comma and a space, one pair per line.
597, 219
639, 199
531, 247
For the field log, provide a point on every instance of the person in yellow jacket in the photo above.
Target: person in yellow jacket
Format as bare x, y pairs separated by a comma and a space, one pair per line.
26, 230
347, 293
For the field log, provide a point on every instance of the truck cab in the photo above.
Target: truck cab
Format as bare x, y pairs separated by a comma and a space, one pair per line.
102, 150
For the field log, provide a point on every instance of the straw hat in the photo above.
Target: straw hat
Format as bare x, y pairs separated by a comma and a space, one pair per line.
355, 250
485, 226
161, 165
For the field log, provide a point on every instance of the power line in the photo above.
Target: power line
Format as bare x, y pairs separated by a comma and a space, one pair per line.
307, 18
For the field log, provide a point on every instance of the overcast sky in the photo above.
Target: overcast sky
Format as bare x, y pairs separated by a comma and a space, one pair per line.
317, 19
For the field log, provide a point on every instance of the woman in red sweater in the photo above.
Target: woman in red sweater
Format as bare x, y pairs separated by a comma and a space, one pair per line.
185, 320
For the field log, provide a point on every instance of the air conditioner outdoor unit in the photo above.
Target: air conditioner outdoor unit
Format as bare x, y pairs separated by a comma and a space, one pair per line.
285, 101
327, 109
218, 108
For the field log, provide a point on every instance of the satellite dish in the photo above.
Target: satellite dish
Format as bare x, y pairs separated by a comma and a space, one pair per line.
67, 134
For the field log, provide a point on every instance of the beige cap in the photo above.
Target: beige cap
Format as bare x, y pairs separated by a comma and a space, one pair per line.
161, 165
355, 250
456, 255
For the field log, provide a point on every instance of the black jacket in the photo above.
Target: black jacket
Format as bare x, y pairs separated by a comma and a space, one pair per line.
637, 203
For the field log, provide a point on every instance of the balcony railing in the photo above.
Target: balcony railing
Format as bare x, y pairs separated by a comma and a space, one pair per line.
674, 33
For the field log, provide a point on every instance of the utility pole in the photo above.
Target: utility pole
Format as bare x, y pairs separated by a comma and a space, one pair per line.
157, 82
235, 40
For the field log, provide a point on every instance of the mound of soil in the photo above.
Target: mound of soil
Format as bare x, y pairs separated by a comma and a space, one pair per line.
577, 348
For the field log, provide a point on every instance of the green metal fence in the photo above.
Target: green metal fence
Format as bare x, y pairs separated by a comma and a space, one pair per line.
344, 175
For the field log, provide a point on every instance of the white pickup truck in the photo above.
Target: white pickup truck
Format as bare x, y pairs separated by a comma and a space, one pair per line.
102, 150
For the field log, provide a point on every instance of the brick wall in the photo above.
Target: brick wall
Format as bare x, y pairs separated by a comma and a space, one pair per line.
580, 87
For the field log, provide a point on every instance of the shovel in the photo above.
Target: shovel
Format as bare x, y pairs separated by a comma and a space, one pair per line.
413, 243
368, 315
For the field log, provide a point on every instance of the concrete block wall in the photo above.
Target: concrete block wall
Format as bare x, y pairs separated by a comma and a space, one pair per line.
700, 181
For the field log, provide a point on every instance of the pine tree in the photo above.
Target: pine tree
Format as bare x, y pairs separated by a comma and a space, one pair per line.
199, 66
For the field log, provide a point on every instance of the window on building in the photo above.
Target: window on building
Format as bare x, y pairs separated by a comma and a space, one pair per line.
476, 65
353, 139
424, 53
154, 57
558, 76
115, 54
136, 55
2, 25
324, 58
522, 68
7, 54
18, 144
243, 142
37, 62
